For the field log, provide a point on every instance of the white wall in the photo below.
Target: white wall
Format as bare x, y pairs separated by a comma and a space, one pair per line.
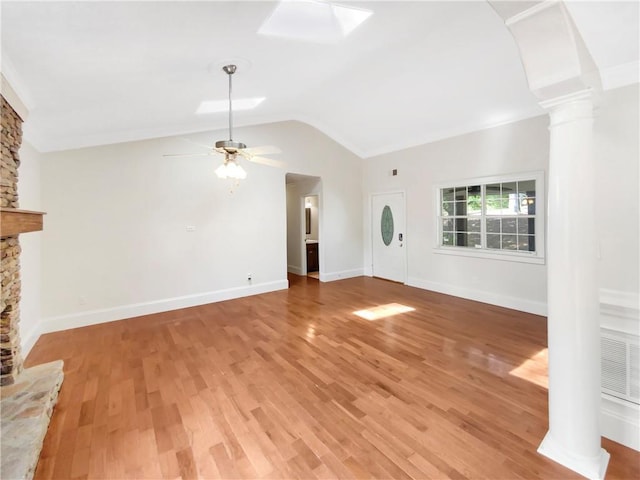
514, 148
617, 154
116, 243
617, 147
31, 243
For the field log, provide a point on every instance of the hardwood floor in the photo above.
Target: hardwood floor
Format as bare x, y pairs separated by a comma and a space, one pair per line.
293, 384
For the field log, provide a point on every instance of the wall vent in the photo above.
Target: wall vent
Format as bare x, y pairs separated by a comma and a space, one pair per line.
620, 365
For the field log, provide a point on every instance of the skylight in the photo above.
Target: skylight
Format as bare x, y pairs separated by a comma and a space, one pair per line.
313, 21
215, 106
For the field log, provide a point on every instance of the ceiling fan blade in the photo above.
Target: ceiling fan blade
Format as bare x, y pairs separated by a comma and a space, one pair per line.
263, 150
187, 154
267, 161
201, 145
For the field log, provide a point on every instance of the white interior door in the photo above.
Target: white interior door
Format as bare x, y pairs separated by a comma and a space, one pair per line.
388, 236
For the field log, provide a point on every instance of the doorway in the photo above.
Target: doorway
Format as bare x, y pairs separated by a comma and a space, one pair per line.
389, 259
304, 225
312, 235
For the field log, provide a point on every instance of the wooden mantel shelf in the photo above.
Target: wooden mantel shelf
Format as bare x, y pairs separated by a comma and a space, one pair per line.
14, 221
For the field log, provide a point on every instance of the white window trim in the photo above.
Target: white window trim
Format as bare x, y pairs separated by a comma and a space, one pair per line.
514, 256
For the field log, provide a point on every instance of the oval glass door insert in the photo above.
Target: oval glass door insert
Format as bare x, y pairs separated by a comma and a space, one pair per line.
386, 225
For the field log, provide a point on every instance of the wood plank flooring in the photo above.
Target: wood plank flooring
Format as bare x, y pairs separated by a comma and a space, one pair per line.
293, 384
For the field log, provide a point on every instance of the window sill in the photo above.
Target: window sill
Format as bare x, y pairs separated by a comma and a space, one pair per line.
479, 253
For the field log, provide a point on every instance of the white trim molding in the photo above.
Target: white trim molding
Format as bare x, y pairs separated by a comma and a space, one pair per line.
333, 276
296, 270
620, 421
93, 317
620, 316
520, 304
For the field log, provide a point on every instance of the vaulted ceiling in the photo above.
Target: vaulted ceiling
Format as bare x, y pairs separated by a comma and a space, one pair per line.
102, 72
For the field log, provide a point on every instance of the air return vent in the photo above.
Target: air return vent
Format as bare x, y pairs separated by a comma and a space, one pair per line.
620, 366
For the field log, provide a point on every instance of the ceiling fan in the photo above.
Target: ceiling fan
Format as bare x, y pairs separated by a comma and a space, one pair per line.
232, 149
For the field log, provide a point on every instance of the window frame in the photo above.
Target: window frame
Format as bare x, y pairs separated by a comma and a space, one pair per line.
537, 257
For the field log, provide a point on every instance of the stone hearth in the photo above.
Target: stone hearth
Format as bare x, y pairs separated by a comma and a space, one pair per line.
26, 407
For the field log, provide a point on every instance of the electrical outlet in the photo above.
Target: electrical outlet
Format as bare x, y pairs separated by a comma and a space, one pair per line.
249, 277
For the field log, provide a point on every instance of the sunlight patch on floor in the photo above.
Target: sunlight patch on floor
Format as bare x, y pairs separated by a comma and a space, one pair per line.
383, 311
534, 369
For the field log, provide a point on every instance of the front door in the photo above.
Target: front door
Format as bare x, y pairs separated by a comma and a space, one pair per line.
388, 232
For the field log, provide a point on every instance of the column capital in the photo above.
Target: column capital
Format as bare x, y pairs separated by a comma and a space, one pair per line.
570, 107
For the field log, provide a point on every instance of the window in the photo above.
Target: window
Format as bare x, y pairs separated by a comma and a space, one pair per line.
493, 216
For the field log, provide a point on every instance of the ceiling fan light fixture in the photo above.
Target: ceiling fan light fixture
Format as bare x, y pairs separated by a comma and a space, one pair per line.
231, 169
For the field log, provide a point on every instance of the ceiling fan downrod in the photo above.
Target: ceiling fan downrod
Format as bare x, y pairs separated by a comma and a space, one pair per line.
230, 145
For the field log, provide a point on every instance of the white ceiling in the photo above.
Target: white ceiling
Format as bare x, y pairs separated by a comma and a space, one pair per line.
103, 72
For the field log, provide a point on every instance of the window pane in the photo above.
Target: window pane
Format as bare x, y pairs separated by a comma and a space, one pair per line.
473, 225
508, 225
474, 240
509, 242
447, 224
493, 225
462, 239
528, 188
447, 239
497, 203
526, 225
529, 206
509, 188
461, 193
447, 194
526, 243
493, 241
474, 200
461, 224
447, 209
461, 208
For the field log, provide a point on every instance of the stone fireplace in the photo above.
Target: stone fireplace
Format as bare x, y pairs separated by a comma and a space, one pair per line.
27, 396
10, 247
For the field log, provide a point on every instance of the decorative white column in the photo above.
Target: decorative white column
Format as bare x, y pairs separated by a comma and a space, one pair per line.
573, 438
562, 74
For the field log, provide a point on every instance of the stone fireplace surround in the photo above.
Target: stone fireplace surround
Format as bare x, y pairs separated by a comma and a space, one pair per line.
27, 397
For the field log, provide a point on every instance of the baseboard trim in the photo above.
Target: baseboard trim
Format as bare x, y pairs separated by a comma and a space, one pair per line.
29, 340
93, 317
620, 421
294, 269
333, 276
520, 304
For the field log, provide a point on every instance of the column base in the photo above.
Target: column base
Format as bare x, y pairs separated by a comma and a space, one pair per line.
593, 468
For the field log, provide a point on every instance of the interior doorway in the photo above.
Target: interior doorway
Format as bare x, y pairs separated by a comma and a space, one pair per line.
304, 225
312, 235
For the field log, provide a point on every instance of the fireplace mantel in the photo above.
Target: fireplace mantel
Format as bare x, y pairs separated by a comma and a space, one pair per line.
14, 221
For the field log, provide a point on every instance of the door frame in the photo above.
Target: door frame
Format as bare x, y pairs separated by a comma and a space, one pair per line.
404, 218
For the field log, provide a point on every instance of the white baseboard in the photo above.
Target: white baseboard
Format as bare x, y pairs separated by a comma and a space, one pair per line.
521, 304
92, 317
294, 269
29, 339
332, 276
620, 421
